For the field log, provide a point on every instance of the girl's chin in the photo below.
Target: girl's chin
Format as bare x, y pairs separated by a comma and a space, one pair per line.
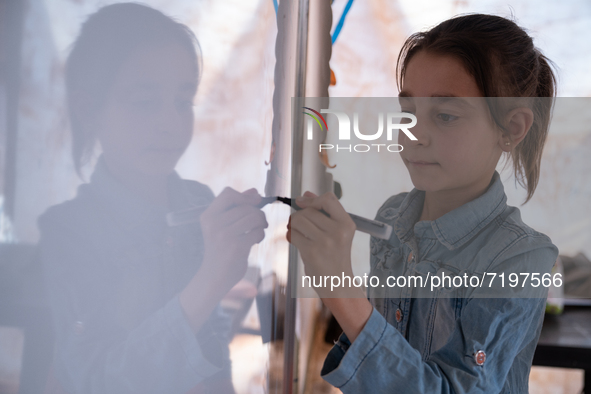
427, 189
157, 164
426, 185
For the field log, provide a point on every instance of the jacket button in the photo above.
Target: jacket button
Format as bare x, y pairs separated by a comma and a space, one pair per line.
480, 357
398, 315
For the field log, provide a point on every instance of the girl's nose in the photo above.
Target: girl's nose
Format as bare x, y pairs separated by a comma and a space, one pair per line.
419, 131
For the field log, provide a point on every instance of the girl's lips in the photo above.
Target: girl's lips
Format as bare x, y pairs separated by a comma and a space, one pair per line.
421, 163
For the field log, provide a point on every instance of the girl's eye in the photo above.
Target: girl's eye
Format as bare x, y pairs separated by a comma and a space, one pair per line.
446, 118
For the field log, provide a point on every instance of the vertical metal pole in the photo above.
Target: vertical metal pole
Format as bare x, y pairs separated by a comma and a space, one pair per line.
296, 182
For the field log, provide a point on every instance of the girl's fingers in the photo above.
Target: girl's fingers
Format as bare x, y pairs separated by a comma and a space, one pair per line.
235, 214
302, 223
298, 239
327, 202
319, 219
307, 195
251, 191
248, 223
230, 197
253, 236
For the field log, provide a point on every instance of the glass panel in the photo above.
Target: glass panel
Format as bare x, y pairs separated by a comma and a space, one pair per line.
107, 110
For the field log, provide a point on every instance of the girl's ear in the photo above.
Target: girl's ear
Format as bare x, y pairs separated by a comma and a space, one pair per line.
518, 121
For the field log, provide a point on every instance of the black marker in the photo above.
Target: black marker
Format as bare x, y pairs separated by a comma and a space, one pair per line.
372, 227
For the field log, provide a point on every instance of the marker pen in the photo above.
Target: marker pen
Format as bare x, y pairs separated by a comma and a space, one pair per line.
372, 227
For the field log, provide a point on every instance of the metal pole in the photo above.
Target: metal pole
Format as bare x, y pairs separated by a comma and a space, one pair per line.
296, 183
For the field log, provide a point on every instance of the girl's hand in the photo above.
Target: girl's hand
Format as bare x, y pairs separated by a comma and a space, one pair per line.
231, 225
324, 242
325, 246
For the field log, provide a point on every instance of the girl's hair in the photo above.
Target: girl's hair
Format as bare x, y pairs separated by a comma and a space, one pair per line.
503, 60
105, 40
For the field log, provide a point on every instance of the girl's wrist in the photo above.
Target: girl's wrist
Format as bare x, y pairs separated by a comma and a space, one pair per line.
351, 313
200, 297
214, 278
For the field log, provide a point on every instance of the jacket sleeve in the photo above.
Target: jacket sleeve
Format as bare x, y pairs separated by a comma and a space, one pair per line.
94, 354
381, 359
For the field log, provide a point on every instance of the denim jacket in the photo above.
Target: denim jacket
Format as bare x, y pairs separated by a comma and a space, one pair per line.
113, 271
460, 339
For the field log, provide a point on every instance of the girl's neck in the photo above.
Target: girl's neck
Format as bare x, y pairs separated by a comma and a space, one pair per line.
438, 203
151, 188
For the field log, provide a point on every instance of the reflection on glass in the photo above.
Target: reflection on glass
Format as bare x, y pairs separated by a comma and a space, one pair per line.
140, 306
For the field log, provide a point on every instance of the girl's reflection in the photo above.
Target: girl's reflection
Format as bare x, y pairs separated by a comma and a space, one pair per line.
136, 303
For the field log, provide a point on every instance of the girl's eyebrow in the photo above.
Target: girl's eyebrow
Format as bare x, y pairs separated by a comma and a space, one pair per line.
405, 93
454, 100
441, 98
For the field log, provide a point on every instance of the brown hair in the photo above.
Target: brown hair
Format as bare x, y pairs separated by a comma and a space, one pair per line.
104, 42
503, 60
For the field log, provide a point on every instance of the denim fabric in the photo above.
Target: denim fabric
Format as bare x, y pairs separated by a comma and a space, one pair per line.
417, 344
113, 271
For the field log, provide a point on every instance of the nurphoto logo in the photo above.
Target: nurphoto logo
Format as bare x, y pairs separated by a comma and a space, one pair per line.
344, 129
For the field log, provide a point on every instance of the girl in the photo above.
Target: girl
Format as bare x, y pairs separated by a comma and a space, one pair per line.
454, 222
135, 302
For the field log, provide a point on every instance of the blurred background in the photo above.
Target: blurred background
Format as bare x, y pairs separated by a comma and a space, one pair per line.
234, 109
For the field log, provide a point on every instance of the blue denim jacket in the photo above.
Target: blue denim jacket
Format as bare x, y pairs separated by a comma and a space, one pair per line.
113, 271
460, 339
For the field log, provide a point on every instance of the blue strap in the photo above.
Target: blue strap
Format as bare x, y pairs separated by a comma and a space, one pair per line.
337, 30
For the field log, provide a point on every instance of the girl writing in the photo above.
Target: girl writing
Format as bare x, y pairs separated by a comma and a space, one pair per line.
454, 221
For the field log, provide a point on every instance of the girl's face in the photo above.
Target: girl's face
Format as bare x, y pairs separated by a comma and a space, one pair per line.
457, 145
147, 121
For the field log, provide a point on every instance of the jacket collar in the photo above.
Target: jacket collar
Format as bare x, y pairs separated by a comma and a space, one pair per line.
457, 227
